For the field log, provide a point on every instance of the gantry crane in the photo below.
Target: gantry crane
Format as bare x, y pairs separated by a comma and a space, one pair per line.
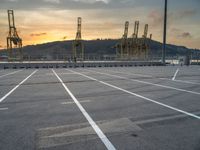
134, 47
144, 46
78, 46
133, 43
122, 47
13, 40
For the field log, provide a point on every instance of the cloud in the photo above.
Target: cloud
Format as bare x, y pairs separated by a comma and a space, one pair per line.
174, 17
10, 1
105, 1
179, 33
175, 30
13, 0
38, 34
187, 13
185, 35
156, 17
66, 4
53, 1
181, 15
92, 1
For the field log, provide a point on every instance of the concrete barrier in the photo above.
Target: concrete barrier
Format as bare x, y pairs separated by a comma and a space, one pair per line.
17, 65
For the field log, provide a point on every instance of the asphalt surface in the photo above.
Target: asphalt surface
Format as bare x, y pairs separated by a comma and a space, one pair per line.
126, 108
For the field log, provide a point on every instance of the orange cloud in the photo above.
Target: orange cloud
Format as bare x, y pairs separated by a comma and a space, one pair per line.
185, 35
38, 34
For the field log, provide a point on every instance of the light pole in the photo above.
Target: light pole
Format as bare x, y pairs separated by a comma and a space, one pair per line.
164, 34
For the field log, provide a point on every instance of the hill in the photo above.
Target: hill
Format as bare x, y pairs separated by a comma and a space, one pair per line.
60, 49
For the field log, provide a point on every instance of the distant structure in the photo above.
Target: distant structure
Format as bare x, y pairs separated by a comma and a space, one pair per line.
122, 47
77, 45
134, 42
13, 40
143, 46
134, 47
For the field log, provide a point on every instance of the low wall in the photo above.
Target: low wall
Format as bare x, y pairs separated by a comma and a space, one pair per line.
17, 65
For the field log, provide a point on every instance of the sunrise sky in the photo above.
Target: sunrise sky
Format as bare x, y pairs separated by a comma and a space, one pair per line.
41, 21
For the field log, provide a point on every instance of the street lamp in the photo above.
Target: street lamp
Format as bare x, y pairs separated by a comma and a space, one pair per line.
164, 34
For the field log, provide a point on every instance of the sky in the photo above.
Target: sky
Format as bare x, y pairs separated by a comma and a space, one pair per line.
41, 21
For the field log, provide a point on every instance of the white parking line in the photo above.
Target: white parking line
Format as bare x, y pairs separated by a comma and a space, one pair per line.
187, 82
3, 109
134, 74
59, 74
145, 82
11, 91
66, 103
181, 81
66, 73
98, 131
174, 77
10, 73
137, 95
142, 75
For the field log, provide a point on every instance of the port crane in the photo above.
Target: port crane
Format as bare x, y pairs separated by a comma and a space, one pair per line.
13, 40
134, 47
133, 42
122, 46
77, 45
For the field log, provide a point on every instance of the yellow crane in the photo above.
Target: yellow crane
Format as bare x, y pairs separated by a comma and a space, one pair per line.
133, 42
122, 47
13, 40
77, 45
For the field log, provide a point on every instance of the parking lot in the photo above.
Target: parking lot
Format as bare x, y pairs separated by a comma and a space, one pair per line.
126, 108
